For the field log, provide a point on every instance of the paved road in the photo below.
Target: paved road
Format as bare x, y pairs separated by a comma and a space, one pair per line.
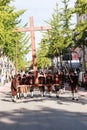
43, 113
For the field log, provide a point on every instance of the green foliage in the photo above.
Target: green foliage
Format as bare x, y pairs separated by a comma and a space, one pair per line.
55, 33
81, 27
60, 36
42, 60
80, 31
5, 2
81, 7
9, 20
66, 16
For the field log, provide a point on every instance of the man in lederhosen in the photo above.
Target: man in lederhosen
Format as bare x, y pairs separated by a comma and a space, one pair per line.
62, 80
56, 84
74, 85
19, 86
41, 81
31, 83
49, 83
14, 84
24, 85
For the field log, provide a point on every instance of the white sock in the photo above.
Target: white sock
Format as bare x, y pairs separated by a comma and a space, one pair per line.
41, 94
15, 98
18, 95
57, 93
64, 89
76, 95
31, 94
24, 94
72, 95
50, 93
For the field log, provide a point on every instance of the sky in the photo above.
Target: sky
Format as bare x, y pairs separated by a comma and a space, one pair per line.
41, 10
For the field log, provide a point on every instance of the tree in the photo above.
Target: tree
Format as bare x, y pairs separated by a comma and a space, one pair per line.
9, 20
67, 25
80, 35
55, 33
42, 59
60, 36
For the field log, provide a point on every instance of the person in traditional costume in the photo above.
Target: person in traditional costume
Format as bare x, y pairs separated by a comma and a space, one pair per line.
62, 80
49, 83
24, 86
19, 88
31, 83
74, 85
14, 84
41, 82
56, 84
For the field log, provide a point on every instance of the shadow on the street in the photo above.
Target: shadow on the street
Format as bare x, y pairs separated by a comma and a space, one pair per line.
45, 118
63, 99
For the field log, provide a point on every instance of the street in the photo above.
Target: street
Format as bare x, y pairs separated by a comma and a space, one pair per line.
43, 113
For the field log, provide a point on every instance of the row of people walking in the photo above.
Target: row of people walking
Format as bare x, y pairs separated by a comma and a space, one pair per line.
23, 84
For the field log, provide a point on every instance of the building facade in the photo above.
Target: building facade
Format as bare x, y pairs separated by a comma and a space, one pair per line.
7, 70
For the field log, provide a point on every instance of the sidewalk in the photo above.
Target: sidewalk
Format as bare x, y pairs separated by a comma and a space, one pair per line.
5, 88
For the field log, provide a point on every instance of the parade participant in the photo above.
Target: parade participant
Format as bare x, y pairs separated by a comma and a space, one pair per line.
24, 85
31, 83
14, 84
74, 85
41, 80
56, 84
19, 89
62, 79
49, 83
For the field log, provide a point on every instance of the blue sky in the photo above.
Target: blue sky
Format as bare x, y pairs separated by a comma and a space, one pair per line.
41, 10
